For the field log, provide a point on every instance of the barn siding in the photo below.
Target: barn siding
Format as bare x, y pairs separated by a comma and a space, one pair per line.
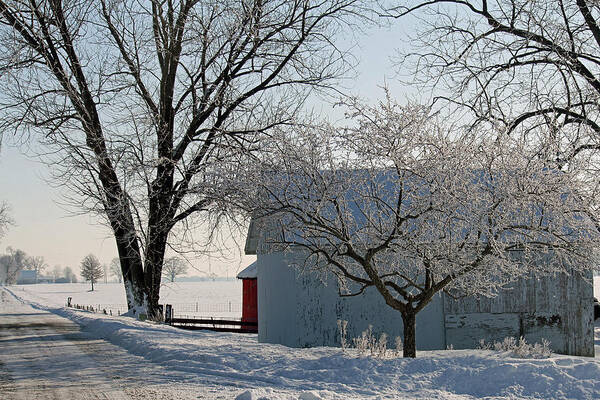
464, 331
558, 308
296, 309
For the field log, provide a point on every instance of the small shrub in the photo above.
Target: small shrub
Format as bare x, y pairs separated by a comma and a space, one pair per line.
362, 343
367, 342
483, 345
399, 346
342, 328
520, 349
380, 347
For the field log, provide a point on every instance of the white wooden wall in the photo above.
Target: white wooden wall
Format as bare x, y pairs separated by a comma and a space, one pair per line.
296, 309
558, 308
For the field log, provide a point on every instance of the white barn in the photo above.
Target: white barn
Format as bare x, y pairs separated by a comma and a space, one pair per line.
297, 309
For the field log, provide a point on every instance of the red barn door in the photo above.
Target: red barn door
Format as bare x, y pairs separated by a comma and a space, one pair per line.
249, 301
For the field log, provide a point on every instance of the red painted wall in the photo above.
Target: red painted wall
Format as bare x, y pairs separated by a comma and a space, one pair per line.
249, 300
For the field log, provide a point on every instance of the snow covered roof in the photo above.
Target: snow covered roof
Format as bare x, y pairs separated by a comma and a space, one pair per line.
249, 272
368, 199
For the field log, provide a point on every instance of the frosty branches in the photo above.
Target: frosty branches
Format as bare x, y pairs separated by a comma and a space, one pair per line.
115, 269
518, 65
173, 267
399, 203
91, 270
5, 219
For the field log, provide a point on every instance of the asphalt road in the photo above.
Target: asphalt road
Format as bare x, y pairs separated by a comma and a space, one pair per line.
45, 356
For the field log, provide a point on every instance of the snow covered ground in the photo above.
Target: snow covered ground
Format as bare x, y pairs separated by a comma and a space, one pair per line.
206, 298
251, 370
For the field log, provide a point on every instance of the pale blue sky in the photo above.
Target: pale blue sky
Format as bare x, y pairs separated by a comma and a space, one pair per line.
44, 228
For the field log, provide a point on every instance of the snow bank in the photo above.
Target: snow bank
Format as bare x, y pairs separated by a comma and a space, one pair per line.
266, 371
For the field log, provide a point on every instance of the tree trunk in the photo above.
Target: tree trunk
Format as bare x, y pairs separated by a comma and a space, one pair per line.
155, 254
410, 343
131, 268
92, 285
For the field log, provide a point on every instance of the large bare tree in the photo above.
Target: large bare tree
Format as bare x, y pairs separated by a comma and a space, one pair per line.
402, 205
138, 102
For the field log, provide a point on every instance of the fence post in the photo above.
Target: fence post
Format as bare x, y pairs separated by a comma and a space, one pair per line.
196, 307
229, 306
168, 313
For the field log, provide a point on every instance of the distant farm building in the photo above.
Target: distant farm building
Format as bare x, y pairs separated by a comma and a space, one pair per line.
297, 309
26, 277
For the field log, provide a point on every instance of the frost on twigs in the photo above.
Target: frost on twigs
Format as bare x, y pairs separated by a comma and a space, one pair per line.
520, 348
399, 346
367, 343
342, 328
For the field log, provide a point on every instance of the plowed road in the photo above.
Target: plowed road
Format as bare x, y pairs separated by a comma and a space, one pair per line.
45, 356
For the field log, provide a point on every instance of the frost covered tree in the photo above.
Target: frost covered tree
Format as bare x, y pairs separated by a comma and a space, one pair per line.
115, 269
57, 272
174, 266
137, 102
519, 65
69, 275
10, 265
91, 270
5, 219
37, 264
397, 203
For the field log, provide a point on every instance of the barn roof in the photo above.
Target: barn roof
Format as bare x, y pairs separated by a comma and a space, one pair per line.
384, 186
250, 272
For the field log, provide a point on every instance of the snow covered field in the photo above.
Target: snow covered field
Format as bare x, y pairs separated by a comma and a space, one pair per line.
262, 371
206, 298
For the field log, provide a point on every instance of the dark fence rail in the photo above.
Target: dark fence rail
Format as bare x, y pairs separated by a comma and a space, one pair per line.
214, 324
185, 321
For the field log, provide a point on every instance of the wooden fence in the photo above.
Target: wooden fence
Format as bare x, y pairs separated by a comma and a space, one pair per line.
186, 322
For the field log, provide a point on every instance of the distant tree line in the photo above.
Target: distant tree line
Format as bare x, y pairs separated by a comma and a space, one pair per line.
16, 260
